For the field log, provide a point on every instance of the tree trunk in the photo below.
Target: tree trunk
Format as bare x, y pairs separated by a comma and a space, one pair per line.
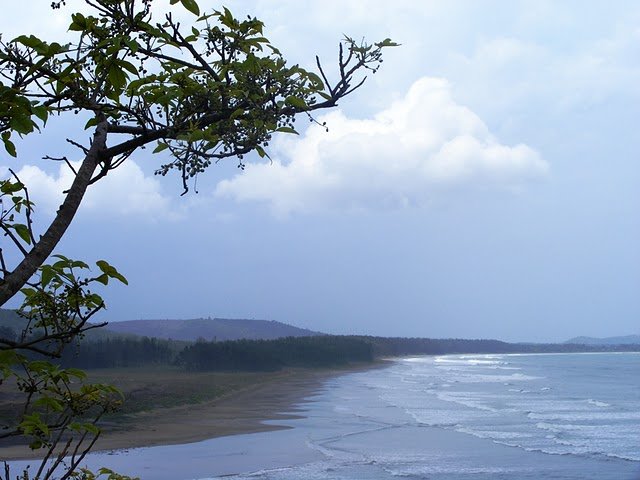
15, 280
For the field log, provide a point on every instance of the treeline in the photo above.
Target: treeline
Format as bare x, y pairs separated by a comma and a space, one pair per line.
318, 351
397, 346
119, 352
231, 355
270, 355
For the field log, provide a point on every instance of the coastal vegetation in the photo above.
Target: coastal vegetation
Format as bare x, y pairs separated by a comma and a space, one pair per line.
108, 348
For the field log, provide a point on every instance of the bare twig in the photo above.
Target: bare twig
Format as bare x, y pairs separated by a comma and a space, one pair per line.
84, 149
3, 265
324, 77
16, 242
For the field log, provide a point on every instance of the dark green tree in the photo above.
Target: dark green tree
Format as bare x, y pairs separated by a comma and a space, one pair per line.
215, 89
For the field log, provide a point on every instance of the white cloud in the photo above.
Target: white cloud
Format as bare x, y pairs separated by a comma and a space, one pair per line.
125, 191
52, 25
507, 73
422, 145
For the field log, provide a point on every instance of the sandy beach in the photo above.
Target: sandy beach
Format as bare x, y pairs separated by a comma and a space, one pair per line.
385, 423
240, 412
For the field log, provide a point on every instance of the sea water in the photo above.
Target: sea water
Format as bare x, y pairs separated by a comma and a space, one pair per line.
475, 417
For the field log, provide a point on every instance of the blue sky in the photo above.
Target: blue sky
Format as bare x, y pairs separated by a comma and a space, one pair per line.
482, 184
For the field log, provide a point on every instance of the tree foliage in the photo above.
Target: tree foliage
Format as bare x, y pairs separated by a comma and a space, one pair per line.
269, 355
121, 352
59, 410
215, 89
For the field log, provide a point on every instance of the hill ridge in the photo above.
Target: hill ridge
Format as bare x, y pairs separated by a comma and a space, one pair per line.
210, 329
617, 340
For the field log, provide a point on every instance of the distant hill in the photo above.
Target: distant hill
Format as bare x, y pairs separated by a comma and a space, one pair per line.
9, 317
624, 340
10, 321
210, 329
185, 330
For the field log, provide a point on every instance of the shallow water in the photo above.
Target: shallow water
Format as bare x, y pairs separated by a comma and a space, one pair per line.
476, 417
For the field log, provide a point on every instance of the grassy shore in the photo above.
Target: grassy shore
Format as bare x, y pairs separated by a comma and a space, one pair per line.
169, 406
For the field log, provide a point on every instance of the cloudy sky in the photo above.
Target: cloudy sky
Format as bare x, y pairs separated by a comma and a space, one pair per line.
483, 184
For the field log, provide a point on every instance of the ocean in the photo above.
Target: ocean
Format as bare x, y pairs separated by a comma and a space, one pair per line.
467, 417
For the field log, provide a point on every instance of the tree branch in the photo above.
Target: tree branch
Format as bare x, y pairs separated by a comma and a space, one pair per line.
324, 77
11, 284
28, 208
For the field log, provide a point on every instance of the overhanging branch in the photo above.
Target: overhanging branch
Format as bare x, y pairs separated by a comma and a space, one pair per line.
15, 280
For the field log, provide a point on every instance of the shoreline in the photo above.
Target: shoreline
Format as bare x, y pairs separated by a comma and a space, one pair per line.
240, 412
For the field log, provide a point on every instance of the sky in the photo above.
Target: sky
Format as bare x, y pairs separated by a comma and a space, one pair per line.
482, 184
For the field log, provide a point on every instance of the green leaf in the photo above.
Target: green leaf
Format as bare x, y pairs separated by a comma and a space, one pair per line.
61, 257
261, 152
75, 426
27, 292
9, 187
133, 45
41, 112
93, 300
36, 444
226, 18
161, 146
10, 357
387, 42
8, 145
23, 232
92, 122
316, 80
49, 402
128, 66
117, 77
296, 102
79, 264
54, 49
79, 22
91, 428
77, 373
21, 124
192, 6
30, 41
46, 275
287, 130
111, 271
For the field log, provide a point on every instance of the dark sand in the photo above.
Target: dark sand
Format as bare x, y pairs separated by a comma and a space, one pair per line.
240, 412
